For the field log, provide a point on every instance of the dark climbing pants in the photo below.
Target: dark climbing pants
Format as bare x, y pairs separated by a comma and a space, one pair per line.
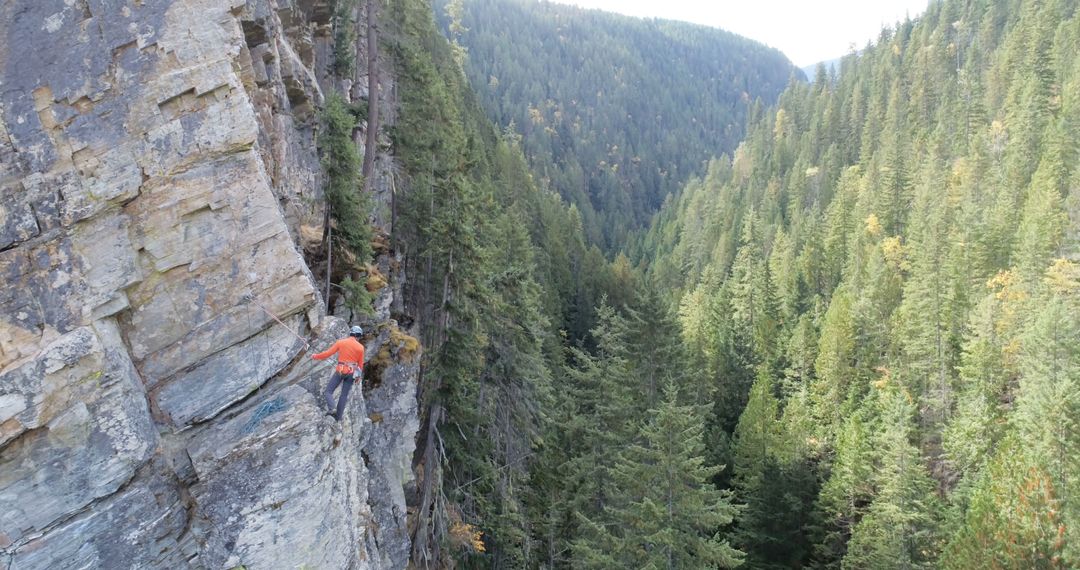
346, 382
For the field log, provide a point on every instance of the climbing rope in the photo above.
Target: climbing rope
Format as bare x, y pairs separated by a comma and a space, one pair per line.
248, 297
265, 409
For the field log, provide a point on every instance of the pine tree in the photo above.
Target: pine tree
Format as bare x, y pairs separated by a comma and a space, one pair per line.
801, 353
754, 313
848, 491
775, 488
757, 433
925, 314
599, 421
977, 425
1048, 404
348, 206
657, 350
514, 381
834, 364
1042, 223
785, 276
841, 222
1014, 519
894, 179
670, 514
900, 528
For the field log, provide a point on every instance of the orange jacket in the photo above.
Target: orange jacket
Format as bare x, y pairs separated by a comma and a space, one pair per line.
349, 351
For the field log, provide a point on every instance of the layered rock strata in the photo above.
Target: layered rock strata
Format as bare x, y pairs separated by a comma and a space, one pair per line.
158, 175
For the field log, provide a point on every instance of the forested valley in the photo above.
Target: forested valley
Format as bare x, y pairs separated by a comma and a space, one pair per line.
851, 340
614, 112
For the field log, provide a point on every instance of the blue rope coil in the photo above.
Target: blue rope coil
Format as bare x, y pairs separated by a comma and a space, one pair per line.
265, 409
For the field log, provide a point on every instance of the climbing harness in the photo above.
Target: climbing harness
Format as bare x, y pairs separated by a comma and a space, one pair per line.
248, 297
350, 368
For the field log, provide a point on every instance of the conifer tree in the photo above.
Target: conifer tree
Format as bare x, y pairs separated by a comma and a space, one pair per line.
670, 515
847, 493
757, 433
599, 422
1014, 519
1042, 224
835, 372
657, 351
1047, 415
348, 206
775, 488
900, 528
755, 318
785, 276
925, 315
977, 425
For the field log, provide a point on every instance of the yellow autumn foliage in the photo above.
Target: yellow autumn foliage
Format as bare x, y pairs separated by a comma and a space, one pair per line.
873, 225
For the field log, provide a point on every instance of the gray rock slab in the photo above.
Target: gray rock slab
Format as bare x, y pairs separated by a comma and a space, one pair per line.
92, 437
135, 528
276, 491
220, 380
157, 169
390, 447
17, 221
64, 375
210, 238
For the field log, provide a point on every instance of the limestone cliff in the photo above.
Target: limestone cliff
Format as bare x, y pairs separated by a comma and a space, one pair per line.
158, 184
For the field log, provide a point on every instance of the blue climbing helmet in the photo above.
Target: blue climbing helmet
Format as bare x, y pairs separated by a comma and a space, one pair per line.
356, 331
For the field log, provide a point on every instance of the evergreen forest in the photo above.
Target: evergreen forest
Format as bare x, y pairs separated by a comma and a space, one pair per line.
614, 112
787, 324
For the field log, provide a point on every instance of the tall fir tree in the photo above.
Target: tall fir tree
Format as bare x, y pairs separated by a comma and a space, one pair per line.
670, 515
901, 527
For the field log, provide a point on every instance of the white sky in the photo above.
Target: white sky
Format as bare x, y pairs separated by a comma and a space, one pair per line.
807, 31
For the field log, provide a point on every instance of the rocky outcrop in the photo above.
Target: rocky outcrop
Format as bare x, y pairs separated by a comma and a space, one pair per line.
158, 181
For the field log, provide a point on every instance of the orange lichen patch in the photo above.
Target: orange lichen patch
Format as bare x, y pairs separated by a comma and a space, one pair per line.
407, 346
376, 367
380, 243
399, 348
383, 358
375, 279
311, 237
349, 259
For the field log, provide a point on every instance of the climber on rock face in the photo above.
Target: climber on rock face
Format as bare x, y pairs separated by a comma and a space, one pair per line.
350, 368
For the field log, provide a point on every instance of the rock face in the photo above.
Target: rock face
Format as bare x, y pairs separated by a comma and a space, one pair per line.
158, 175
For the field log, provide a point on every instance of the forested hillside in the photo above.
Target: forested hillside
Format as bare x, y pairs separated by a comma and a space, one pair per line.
856, 343
614, 112
542, 425
882, 285
500, 280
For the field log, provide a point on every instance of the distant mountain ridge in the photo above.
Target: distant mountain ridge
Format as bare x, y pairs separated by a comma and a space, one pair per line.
830, 65
615, 112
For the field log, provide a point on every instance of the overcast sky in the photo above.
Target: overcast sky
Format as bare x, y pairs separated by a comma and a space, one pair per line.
807, 31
